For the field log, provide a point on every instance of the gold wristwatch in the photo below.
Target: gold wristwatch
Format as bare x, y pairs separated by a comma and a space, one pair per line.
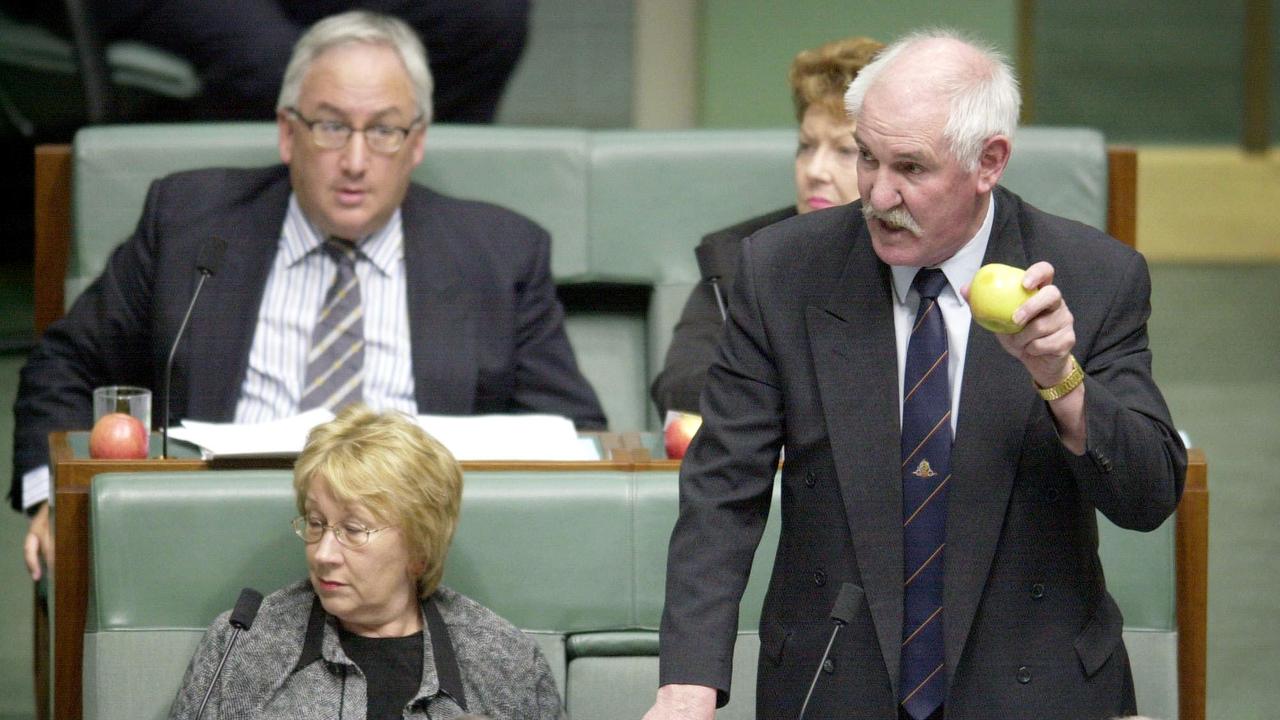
1069, 383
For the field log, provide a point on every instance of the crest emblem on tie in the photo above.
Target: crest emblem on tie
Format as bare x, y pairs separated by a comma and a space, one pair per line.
923, 470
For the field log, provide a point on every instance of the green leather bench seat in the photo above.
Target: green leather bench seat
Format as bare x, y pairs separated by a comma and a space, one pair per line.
541, 173
39, 81
622, 206
575, 559
133, 65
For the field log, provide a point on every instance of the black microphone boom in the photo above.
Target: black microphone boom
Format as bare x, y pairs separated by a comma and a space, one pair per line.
842, 610
207, 261
241, 620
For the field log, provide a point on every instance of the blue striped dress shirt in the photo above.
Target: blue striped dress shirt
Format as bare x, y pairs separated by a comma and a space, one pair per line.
291, 302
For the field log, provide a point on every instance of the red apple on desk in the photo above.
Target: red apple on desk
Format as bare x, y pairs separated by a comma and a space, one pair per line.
679, 431
119, 436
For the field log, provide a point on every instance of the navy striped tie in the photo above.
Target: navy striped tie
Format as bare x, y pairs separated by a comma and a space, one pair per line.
926, 471
335, 361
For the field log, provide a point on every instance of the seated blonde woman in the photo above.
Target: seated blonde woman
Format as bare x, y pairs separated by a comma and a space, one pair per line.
825, 174
371, 633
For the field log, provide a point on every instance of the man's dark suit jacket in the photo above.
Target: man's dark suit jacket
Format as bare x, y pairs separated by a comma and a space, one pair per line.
486, 329
809, 361
693, 342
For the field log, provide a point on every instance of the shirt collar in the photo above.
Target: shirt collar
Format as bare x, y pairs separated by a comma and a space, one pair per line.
960, 267
384, 249
320, 642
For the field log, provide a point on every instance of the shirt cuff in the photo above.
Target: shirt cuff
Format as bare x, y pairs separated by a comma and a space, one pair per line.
35, 487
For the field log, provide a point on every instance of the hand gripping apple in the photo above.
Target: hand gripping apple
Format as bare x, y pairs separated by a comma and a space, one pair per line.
994, 294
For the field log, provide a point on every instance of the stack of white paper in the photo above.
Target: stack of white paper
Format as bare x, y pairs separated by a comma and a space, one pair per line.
476, 437
509, 437
282, 437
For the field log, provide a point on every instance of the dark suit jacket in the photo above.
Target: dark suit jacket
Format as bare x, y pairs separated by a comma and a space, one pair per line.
808, 361
693, 342
487, 333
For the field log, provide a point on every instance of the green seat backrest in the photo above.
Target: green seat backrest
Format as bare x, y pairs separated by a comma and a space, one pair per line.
511, 524
40, 84
541, 172
169, 551
1061, 170
654, 193
620, 204
132, 65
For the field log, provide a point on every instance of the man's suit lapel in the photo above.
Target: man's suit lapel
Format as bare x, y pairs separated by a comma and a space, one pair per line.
995, 402
226, 317
442, 339
851, 339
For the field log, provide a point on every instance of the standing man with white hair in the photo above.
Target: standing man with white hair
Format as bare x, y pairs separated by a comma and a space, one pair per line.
342, 280
942, 480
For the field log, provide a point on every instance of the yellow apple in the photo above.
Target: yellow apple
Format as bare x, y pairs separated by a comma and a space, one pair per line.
995, 292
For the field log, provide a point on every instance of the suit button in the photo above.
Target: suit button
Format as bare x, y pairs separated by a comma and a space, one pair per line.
1037, 591
809, 480
1024, 674
1051, 494
828, 666
819, 578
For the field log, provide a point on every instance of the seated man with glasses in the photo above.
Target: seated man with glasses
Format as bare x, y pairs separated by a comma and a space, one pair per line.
342, 281
371, 633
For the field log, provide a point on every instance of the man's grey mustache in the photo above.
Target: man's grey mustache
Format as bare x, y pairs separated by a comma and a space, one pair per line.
896, 217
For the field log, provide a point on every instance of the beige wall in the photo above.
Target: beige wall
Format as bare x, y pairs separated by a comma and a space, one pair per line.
1208, 204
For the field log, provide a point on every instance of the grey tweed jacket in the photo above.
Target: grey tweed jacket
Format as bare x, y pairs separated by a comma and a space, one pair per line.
272, 674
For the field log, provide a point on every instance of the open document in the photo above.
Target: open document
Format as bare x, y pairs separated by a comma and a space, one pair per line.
474, 437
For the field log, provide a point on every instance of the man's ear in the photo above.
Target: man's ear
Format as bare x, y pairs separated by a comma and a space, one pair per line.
992, 161
285, 140
417, 145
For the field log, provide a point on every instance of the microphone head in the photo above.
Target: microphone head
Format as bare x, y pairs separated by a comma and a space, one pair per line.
848, 600
246, 609
706, 262
717, 257
210, 255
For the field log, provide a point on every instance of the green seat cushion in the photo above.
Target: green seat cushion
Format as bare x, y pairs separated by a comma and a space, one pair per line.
610, 686
612, 643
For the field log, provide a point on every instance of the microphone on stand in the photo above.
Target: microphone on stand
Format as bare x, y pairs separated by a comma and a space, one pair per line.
705, 257
241, 620
207, 261
713, 257
842, 611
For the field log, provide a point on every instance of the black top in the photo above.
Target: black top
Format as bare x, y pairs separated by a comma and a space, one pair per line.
693, 344
392, 668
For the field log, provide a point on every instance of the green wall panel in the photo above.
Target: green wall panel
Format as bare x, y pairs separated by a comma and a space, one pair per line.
747, 45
